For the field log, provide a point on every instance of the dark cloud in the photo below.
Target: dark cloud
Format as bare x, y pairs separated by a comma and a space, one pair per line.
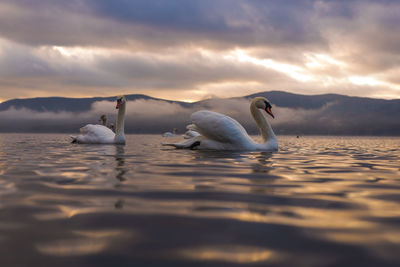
231, 22
227, 23
175, 22
177, 14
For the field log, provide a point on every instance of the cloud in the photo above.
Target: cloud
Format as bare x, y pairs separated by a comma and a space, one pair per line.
183, 49
171, 23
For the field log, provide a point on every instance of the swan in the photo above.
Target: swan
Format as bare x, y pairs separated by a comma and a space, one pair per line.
220, 132
103, 120
169, 134
100, 134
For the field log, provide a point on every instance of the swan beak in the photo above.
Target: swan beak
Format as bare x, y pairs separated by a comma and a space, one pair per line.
118, 105
268, 110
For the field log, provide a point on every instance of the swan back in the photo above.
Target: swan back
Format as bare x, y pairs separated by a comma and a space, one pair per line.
220, 128
95, 134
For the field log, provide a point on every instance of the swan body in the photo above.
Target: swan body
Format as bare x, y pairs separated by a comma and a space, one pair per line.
215, 131
100, 134
169, 134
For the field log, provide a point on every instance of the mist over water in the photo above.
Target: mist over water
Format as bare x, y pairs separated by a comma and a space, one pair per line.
318, 201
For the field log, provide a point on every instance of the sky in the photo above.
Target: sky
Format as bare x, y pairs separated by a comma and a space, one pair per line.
192, 50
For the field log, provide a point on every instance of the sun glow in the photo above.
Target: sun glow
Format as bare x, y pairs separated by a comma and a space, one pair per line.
362, 80
292, 71
82, 53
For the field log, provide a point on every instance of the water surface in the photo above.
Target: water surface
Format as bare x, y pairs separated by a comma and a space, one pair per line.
318, 201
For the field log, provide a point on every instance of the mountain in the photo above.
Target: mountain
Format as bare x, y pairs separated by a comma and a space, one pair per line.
328, 114
58, 104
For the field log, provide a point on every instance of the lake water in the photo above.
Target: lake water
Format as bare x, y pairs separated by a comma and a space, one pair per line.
318, 201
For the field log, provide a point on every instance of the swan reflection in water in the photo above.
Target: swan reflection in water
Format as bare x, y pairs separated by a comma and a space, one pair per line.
120, 159
264, 164
121, 172
118, 170
255, 178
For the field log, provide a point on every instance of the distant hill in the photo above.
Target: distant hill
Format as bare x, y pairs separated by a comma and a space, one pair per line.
58, 104
327, 114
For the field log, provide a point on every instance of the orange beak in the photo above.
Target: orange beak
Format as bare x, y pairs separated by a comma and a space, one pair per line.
118, 105
268, 110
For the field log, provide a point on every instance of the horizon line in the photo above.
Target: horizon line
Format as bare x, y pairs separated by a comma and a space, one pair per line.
192, 101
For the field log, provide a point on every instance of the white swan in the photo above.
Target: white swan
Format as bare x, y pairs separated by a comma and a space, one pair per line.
100, 134
220, 132
169, 134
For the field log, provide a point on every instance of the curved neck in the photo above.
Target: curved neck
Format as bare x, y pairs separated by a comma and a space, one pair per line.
265, 128
121, 121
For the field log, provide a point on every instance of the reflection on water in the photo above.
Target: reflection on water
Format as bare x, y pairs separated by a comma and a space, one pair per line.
319, 201
230, 254
119, 157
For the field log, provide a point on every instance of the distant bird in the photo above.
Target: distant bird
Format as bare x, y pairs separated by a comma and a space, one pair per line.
100, 134
111, 126
220, 132
169, 134
103, 120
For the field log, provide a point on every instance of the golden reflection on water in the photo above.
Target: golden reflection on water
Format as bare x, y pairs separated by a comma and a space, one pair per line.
229, 253
75, 247
6, 187
86, 242
99, 234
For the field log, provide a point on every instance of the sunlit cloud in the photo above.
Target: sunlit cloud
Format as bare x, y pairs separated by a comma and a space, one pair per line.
370, 81
321, 61
292, 71
80, 53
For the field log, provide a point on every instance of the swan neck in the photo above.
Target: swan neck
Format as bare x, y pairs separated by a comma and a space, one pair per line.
120, 129
265, 128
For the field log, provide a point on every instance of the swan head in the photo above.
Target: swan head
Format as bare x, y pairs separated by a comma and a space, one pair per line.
120, 101
263, 103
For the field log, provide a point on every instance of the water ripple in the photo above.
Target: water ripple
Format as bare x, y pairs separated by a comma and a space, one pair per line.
319, 201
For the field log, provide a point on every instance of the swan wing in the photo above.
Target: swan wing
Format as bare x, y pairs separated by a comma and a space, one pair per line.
219, 127
95, 134
190, 134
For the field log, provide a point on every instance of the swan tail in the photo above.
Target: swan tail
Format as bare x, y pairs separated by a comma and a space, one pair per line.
192, 143
86, 129
74, 139
192, 127
190, 134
